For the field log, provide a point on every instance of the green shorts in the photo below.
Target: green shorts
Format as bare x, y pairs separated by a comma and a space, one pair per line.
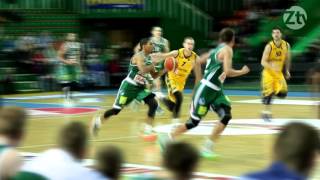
128, 92
205, 98
68, 73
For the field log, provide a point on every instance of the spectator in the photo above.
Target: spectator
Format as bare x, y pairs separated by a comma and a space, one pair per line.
12, 127
295, 152
62, 163
181, 159
109, 160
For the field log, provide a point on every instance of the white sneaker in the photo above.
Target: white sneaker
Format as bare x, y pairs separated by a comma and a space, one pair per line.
95, 124
207, 150
163, 140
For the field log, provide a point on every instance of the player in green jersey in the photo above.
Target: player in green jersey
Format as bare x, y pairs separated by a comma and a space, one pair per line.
209, 92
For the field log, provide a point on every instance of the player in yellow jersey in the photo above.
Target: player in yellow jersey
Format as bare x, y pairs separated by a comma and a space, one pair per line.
276, 69
187, 60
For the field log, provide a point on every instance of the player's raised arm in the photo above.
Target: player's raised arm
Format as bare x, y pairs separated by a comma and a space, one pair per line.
61, 53
227, 54
136, 48
204, 57
157, 57
141, 66
167, 46
288, 62
197, 70
265, 56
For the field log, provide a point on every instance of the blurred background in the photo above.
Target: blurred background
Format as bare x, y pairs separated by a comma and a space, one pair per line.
31, 32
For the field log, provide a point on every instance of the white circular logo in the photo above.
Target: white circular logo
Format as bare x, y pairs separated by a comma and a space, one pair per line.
295, 17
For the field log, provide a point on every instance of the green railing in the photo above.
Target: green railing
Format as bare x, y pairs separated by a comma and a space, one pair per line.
185, 13
34, 4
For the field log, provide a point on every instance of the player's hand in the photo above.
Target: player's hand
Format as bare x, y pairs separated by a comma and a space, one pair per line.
245, 69
155, 57
287, 75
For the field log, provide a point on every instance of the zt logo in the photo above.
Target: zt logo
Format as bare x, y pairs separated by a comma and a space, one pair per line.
295, 17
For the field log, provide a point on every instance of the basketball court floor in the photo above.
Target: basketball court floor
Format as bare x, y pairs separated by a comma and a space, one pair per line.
245, 146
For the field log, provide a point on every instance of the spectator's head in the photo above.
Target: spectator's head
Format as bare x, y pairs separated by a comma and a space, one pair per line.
297, 146
146, 45
71, 37
108, 161
276, 33
181, 159
156, 31
227, 35
12, 124
73, 138
188, 43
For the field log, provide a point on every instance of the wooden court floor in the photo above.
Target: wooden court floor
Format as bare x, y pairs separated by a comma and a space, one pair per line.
238, 153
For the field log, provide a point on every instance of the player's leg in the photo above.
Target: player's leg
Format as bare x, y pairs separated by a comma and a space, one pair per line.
222, 107
152, 104
281, 88
198, 109
169, 101
148, 98
179, 99
125, 95
267, 84
224, 113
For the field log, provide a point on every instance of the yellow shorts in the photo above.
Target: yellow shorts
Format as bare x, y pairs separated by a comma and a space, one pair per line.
273, 84
174, 85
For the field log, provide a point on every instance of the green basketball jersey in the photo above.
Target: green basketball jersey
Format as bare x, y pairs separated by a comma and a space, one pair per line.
134, 73
72, 51
159, 45
214, 68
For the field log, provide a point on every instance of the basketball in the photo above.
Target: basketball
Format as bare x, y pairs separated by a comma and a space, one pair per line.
170, 64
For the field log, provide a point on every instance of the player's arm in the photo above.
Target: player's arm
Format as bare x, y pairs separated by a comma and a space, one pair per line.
265, 56
227, 64
288, 62
136, 48
157, 57
61, 53
204, 57
141, 66
167, 46
197, 70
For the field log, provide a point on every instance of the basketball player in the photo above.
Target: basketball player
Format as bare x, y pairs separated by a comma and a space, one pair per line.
134, 87
160, 45
186, 61
209, 93
69, 66
276, 69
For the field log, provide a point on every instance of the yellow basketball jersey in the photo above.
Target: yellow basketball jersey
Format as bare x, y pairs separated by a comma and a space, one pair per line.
278, 54
184, 66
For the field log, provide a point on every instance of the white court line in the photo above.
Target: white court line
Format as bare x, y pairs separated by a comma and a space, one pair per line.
283, 101
97, 140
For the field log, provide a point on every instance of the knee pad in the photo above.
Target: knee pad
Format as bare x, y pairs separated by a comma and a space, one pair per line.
153, 105
266, 100
192, 123
282, 94
224, 113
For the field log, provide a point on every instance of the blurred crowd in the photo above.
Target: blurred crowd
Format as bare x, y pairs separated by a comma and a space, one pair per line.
295, 154
38, 55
